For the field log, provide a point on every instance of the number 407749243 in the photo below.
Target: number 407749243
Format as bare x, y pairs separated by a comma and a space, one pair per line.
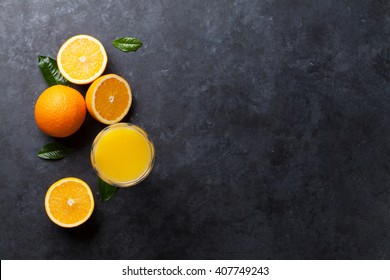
237, 270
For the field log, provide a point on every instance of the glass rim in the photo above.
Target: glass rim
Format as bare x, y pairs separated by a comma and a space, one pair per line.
127, 183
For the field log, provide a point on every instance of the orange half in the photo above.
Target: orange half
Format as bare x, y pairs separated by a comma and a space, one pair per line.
69, 202
109, 99
82, 59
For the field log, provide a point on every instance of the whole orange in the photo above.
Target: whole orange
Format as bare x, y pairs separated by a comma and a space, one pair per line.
60, 111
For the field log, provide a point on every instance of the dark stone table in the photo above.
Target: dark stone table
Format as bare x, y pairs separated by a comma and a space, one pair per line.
271, 122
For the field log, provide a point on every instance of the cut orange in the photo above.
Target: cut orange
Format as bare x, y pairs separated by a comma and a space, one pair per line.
82, 59
109, 99
69, 202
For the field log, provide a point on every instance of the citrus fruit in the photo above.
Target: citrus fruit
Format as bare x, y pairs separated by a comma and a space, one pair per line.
60, 111
69, 202
82, 59
109, 99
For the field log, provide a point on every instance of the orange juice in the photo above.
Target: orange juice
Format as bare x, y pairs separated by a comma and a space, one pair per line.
122, 154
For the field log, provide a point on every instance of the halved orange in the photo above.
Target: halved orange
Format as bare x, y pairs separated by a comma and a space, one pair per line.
82, 59
69, 202
109, 99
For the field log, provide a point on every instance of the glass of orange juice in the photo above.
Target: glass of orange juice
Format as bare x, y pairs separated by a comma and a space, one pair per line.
122, 154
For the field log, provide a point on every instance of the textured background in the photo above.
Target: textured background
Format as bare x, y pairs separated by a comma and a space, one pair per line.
270, 119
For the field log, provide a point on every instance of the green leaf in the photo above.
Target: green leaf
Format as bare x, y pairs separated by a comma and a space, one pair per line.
106, 190
127, 44
49, 69
54, 151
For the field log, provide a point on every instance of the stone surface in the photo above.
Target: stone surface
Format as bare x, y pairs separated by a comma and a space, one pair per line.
270, 119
